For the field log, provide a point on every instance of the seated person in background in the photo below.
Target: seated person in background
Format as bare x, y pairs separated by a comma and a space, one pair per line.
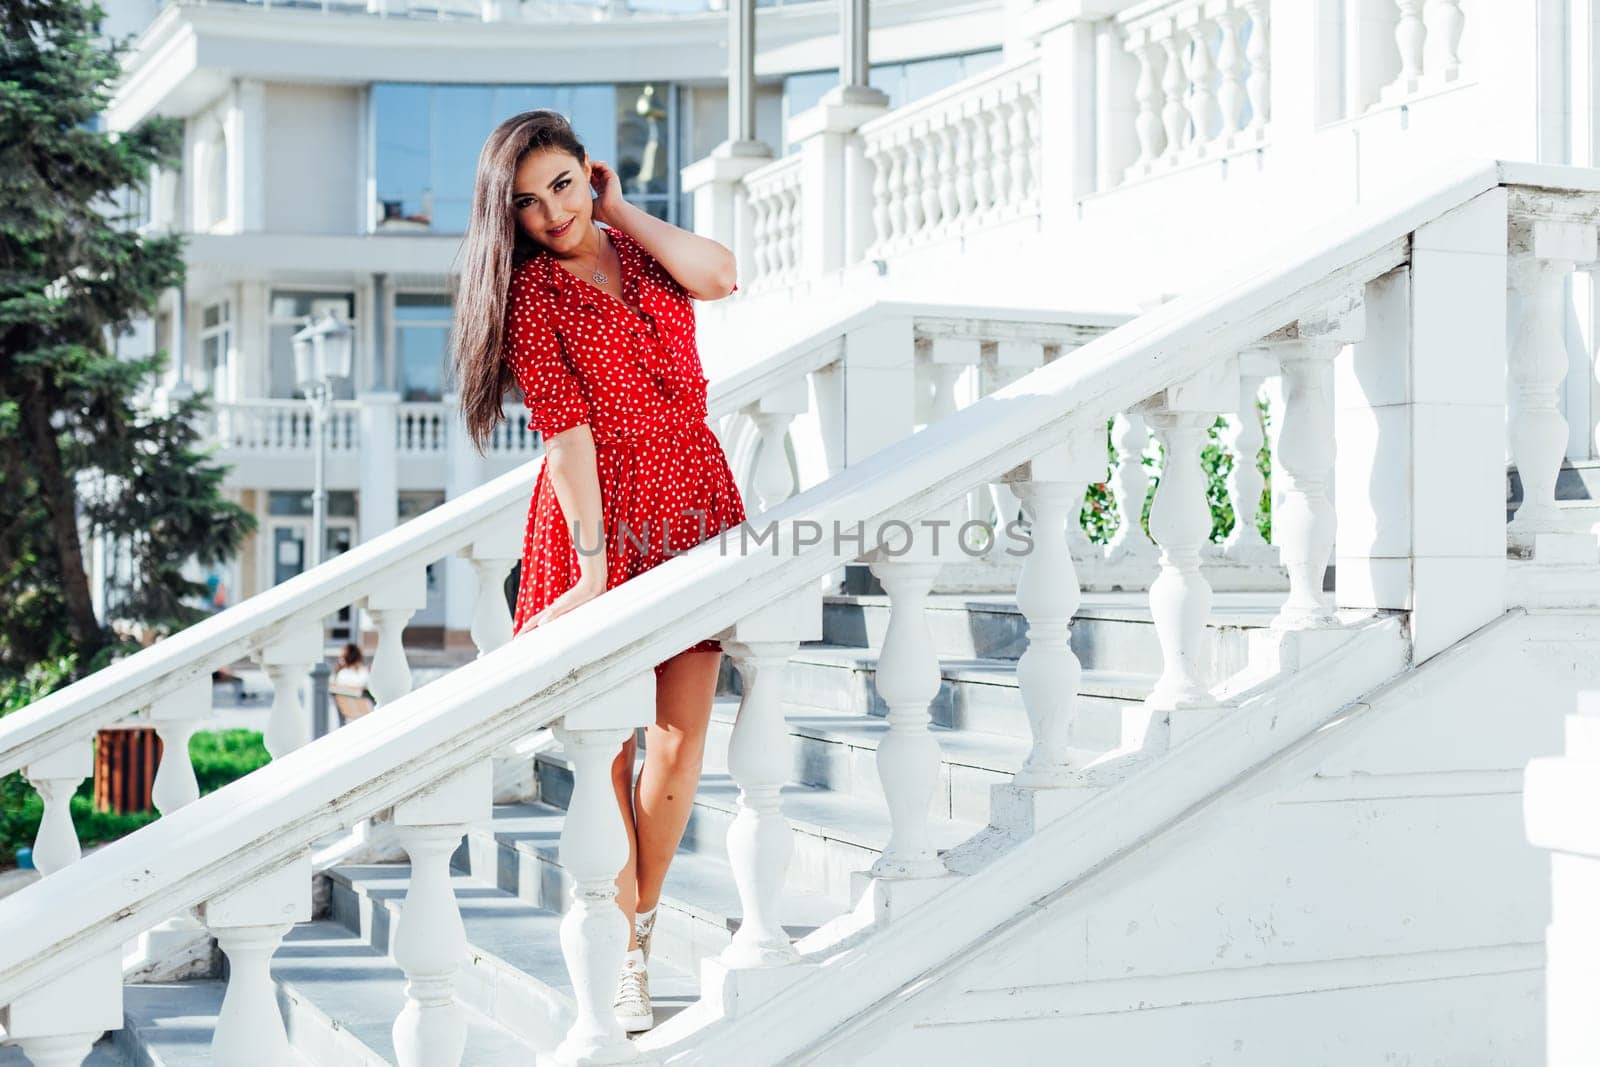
348, 686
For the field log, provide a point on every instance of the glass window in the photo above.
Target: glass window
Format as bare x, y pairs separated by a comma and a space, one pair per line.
341, 503
286, 316
421, 342
216, 343
901, 82
428, 138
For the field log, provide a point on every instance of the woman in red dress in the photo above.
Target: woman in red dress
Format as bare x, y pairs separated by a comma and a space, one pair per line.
596, 326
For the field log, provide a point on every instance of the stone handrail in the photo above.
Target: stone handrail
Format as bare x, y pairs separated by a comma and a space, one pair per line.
429, 747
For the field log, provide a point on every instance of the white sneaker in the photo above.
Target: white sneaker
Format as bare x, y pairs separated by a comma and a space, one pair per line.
643, 926
632, 1003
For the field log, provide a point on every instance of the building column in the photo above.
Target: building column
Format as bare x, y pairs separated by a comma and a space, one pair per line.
721, 210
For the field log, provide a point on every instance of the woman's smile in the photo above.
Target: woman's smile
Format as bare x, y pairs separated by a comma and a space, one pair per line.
561, 231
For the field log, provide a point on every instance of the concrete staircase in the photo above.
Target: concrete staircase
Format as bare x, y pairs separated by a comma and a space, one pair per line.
340, 990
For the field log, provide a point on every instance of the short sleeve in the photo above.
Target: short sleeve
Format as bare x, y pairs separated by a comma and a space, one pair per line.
550, 390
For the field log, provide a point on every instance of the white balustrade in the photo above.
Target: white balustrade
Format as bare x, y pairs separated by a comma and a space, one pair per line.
1245, 484
956, 160
759, 840
1427, 36
175, 717
285, 427
400, 595
908, 679
1546, 254
57, 777
1048, 672
1304, 528
57, 1023
249, 923
420, 428
1130, 485
430, 942
593, 848
288, 662
492, 556
1203, 85
773, 195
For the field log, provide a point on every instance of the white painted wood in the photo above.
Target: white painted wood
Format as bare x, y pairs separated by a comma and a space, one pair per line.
430, 942
249, 922
57, 777
908, 755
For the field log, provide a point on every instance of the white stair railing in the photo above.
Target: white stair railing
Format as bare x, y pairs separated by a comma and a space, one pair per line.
583, 671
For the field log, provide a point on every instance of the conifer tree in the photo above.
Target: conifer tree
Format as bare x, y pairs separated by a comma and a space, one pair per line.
83, 450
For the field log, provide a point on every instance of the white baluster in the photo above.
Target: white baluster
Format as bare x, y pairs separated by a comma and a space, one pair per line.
1445, 22
175, 717
399, 595
908, 755
949, 203
288, 661
911, 203
1304, 528
1130, 485
897, 195
492, 556
249, 923
928, 167
57, 777
1231, 95
1174, 82
594, 847
982, 161
430, 943
759, 841
1180, 522
774, 481
1202, 102
1148, 125
1022, 175
1538, 369
1245, 484
57, 1023
1048, 672
1409, 34
878, 156
966, 196
1258, 85
1000, 155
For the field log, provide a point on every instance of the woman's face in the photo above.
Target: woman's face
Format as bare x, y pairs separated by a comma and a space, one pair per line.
550, 197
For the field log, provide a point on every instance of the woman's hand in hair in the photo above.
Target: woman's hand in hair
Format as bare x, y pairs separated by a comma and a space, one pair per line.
607, 191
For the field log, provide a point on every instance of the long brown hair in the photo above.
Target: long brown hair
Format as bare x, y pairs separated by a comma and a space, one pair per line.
493, 248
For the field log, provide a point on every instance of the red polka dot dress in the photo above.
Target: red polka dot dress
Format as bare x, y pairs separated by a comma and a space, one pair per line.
582, 356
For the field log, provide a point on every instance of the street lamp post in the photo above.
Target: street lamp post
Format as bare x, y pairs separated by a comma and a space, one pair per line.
321, 357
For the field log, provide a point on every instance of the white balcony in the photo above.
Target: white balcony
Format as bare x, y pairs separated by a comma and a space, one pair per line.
270, 444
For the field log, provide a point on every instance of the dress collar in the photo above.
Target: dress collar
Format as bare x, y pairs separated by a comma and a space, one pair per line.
576, 292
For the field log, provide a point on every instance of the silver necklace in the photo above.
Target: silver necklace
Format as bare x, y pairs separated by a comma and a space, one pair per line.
600, 276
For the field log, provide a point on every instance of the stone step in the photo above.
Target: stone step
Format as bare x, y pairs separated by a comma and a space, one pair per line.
699, 908
515, 977
835, 834
105, 1053
170, 1024
974, 694
838, 750
1111, 632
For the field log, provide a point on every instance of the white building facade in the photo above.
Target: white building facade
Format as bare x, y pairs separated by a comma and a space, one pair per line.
328, 160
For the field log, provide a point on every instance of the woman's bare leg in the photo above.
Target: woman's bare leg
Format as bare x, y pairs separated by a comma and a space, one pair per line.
628, 880
673, 752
